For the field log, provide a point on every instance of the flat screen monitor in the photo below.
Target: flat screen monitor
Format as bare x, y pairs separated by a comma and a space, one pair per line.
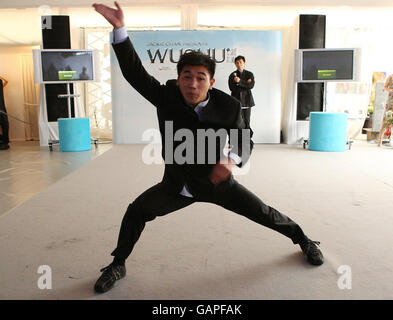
320, 65
62, 66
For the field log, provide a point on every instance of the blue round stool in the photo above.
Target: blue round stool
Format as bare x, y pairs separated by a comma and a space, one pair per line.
328, 131
74, 134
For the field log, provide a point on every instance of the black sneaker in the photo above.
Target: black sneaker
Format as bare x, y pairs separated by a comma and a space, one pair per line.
110, 275
313, 255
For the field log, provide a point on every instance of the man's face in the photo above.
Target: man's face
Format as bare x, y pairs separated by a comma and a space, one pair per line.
194, 83
240, 64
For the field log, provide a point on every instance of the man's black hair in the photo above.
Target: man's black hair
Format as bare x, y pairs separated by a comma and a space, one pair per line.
240, 57
196, 58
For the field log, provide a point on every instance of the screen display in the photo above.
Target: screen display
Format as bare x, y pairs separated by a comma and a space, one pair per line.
328, 65
67, 65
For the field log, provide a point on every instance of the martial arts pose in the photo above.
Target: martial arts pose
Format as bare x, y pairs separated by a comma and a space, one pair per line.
190, 103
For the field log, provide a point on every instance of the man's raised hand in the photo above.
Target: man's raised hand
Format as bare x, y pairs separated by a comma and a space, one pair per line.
114, 16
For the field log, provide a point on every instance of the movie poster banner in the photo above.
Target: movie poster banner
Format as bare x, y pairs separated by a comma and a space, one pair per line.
134, 118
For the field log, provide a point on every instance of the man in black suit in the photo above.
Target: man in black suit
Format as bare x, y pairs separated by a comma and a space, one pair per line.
240, 83
4, 125
190, 104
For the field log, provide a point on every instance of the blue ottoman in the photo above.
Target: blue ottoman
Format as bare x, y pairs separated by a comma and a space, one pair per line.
328, 131
74, 134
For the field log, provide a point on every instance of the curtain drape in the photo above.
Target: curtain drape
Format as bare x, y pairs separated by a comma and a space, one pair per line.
30, 97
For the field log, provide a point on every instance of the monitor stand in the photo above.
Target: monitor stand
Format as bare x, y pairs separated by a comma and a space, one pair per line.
67, 96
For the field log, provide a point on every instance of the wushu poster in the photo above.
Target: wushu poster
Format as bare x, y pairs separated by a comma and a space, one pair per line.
133, 116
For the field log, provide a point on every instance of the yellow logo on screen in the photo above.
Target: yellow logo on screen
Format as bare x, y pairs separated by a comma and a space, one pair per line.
326, 74
67, 75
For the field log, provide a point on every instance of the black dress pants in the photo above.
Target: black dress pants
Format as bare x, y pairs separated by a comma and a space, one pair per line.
247, 115
4, 125
159, 200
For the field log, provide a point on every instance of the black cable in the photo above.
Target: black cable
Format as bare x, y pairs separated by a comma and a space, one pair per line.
8, 115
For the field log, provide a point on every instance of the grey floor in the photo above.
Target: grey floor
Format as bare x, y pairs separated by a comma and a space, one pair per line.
27, 169
64, 210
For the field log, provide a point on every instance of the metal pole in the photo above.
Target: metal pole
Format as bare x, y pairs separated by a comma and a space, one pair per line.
324, 95
69, 100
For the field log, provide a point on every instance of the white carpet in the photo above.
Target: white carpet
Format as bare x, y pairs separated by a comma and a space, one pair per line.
203, 251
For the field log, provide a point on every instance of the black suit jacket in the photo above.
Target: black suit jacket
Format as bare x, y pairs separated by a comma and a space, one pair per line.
221, 112
3, 118
242, 90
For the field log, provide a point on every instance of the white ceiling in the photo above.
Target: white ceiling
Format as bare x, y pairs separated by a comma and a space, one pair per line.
87, 3
20, 19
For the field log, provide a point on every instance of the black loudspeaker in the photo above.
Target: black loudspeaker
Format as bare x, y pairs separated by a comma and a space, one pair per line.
310, 96
312, 30
56, 32
56, 35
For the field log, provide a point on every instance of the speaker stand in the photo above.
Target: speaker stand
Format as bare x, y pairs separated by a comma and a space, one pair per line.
324, 96
68, 96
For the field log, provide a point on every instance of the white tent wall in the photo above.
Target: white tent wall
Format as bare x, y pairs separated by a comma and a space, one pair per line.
364, 27
11, 65
14, 41
361, 27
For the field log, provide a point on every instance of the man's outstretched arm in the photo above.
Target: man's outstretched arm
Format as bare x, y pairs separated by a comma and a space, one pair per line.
129, 61
114, 16
5, 81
